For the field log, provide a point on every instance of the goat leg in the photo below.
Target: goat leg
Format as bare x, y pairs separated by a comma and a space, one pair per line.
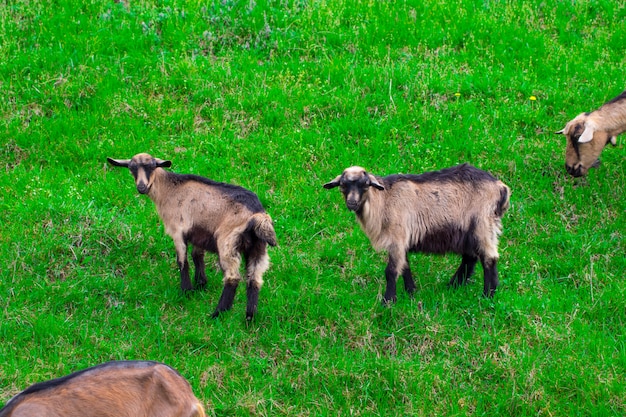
391, 275
185, 281
227, 297
256, 264
409, 284
465, 270
197, 254
183, 264
491, 276
253, 299
230, 261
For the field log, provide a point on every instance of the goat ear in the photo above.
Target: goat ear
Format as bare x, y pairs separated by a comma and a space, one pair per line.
587, 134
334, 183
119, 162
374, 182
565, 130
162, 163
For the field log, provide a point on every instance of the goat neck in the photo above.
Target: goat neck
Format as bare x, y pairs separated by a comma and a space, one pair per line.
161, 184
613, 122
370, 215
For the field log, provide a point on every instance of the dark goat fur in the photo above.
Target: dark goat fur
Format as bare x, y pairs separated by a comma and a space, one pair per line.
210, 216
118, 388
456, 209
589, 133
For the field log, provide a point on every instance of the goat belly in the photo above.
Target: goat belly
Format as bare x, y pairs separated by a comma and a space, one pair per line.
449, 238
201, 238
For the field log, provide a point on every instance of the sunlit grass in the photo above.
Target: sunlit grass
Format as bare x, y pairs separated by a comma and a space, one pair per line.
279, 97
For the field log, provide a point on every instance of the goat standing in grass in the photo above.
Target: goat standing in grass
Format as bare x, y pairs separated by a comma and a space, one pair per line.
589, 133
112, 389
211, 216
456, 210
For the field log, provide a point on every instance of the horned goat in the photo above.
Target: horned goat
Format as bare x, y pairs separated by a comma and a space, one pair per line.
112, 389
457, 210
589, 133
211, 216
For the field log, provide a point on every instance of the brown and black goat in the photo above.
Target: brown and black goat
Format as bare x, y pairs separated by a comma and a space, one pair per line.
457, 210
112, 389
589, 133
211, 216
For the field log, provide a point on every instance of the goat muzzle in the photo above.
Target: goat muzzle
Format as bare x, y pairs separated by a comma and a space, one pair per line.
579, 170
574, 172
353, 205
142, 188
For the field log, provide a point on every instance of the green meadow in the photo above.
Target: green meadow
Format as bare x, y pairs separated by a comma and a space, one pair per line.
279, 97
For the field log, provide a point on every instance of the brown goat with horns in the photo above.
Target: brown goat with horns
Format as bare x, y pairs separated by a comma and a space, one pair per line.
211, 216
589, 133
457, 210
112, 389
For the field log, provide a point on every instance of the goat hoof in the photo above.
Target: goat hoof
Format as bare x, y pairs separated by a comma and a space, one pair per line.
250, 313
456, 279
389, 301
457, 282
489, 294
215, 314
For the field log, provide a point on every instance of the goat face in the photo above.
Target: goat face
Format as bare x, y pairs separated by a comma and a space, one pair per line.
585, 142
142, 167
354, 183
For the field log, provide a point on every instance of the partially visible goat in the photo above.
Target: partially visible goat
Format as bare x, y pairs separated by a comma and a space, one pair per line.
589, 133
456, 210
211, 216
112, 389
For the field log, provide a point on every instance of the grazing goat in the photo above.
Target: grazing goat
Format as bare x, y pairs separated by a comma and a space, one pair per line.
456, 210
589, 133
112, 389
211, 216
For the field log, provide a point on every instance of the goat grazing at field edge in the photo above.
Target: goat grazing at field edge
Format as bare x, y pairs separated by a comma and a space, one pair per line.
211, 216
589, 133
112, 389
455, 210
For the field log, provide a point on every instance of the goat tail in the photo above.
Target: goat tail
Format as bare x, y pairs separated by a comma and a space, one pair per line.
263, 227
503, 203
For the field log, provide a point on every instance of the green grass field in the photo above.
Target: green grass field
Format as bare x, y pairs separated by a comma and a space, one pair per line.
280, 97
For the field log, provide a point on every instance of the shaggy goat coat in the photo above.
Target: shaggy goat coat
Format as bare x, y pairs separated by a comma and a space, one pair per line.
455, 210
589, 133
112, 389
211, 216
